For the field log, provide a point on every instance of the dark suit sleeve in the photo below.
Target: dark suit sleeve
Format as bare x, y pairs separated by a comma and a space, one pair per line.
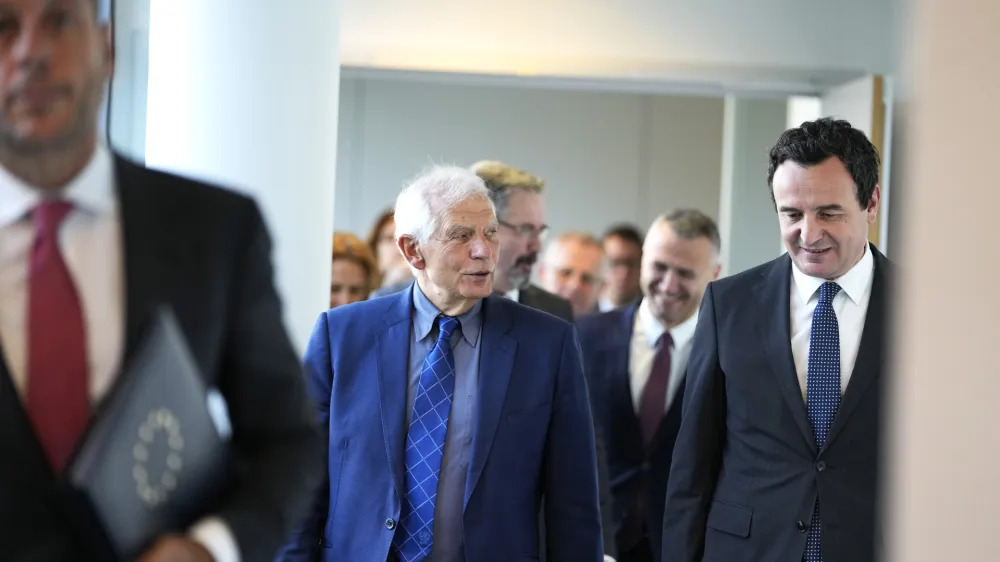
275, 439
604, 491
698, 450
304, 546
572, 511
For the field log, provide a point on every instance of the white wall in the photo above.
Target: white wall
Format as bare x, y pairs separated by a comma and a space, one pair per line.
748, 224
627, 38
129, 84
606, 157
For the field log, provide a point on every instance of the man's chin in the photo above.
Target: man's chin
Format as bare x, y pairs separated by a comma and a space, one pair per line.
44, 133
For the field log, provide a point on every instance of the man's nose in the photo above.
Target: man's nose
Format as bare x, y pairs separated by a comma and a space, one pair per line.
481, 249
810, 231
534, 243
670, 282
31, 46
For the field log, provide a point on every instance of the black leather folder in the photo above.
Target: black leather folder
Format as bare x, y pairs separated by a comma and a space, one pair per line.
154, 460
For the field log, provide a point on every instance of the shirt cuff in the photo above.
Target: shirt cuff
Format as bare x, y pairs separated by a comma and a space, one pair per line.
608, 559
213, 533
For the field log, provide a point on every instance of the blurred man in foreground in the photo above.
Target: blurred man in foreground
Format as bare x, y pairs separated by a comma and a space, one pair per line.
91, 245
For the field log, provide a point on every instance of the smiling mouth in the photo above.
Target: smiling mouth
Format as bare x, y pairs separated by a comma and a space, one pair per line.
479, 274
815, 252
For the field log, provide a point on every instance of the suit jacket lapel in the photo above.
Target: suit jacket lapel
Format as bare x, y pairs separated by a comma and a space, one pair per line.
872, 349
147, 260
496, 362
393, 381
622, 374
772, 295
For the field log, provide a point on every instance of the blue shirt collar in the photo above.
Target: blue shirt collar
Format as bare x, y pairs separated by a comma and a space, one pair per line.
425, 318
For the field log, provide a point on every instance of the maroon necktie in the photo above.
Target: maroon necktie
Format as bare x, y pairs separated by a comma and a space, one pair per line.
652, 406
654, 396
57, 390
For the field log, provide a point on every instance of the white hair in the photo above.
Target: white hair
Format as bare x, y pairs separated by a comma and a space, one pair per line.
436, 191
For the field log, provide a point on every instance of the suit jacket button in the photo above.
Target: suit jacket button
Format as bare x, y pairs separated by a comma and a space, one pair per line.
801, 526
821, 466
390, 524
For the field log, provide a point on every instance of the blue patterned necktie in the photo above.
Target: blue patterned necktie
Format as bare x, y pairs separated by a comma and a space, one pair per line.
425, 447
822, 390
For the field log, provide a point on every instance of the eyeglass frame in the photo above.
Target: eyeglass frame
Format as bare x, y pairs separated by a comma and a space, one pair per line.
527, 230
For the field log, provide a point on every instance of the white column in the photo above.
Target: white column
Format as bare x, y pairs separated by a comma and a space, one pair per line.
748, 225
244, 93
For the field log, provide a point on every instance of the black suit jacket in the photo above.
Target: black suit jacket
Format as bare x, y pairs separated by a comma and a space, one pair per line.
206, 253
540, 299
535, 297
634, 470
746, 471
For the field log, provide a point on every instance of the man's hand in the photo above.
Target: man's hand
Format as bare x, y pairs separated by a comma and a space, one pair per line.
174, 548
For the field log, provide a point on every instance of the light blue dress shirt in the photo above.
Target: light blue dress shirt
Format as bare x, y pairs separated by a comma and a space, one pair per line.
449, 533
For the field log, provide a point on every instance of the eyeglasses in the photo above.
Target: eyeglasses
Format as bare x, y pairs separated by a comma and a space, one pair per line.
527, 230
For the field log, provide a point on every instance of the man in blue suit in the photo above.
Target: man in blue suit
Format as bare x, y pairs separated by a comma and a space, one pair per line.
636, 361
450, 413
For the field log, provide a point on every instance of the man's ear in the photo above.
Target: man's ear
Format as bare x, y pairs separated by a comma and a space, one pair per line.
411, 251
717, 271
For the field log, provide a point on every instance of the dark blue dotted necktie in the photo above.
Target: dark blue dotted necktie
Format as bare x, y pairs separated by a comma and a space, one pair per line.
425, 447
822, 390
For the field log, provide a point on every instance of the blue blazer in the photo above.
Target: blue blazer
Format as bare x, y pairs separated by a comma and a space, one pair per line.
633, 469
533, 437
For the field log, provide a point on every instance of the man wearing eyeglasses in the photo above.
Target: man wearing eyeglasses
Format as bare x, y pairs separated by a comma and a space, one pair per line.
517, 196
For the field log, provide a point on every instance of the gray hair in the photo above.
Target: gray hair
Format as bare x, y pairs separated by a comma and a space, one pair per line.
503, 180
691, 224
434, 192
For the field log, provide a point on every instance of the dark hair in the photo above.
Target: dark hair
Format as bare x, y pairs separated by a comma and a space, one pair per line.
626, 232
815, 141
691, 224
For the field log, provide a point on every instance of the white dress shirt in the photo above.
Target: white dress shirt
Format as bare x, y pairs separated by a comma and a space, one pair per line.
90, 239
646, 331
850, 306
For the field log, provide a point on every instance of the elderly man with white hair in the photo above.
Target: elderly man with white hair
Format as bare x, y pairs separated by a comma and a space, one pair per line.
450, 412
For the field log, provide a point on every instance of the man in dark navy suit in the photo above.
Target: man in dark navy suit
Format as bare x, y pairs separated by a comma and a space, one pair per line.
777, 456
636, 358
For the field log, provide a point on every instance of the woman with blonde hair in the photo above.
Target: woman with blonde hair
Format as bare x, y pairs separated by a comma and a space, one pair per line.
353, 272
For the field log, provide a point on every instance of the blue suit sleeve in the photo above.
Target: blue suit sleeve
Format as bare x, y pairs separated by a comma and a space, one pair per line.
572, 508
305, 542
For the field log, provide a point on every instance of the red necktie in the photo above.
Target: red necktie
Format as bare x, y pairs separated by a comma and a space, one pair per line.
57, 391
654, 395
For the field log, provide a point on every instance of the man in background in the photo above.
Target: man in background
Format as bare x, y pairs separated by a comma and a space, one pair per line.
91, 245
517, 198
572, 267
636, 363
623, 251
